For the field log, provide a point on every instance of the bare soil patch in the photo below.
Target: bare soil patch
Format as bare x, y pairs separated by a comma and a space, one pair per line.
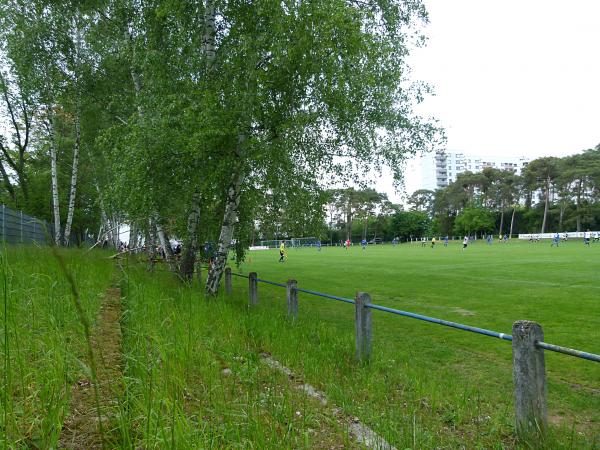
80, 429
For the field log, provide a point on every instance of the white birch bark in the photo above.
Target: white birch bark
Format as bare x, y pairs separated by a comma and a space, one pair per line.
54, 178
77, 145
100, 232
74, 173
165, 243
115, 231
133, 236
230, 218
190, 246
151, 244
208, 39
103, 217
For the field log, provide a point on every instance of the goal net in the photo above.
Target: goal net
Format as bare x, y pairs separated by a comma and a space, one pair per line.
292, 242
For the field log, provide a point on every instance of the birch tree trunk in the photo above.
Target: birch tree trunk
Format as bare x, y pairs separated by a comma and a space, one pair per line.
230, 218
151, 244
163, 237
115, 231
190, 245
133, 236
208, 39
74, 170
77, 145
501, 219
54, 177
103, 217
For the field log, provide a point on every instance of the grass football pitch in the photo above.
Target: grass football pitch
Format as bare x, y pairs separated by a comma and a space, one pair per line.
458, 376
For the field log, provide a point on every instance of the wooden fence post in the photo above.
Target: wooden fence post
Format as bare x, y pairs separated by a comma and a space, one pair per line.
252, 289
292, 299
228, 287
363, 326
529, 375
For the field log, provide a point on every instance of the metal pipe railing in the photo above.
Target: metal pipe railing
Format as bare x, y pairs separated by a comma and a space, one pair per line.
459, 326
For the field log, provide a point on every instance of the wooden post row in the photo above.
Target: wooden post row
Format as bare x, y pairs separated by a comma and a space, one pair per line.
292, 299
528, 360
252, 289
363, 326
228, 286
529, 374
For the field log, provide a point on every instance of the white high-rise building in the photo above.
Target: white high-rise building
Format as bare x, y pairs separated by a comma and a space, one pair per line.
437, 170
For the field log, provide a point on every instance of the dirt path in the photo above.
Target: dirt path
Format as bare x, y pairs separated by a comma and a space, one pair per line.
80, 429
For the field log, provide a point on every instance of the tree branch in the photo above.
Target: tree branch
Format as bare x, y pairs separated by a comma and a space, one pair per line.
12, 115
9, 159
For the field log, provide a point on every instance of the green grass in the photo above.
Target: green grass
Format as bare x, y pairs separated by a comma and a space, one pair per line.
193, 377
179, 393
42, 344
445, 385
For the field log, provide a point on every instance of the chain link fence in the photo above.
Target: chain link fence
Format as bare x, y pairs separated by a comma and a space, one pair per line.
19, 228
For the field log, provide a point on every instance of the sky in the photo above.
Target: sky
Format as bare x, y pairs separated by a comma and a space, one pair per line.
512, 77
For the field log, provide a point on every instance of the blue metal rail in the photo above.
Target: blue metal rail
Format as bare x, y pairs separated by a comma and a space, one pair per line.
271, 282
321, 294
239, 275
568, 351
446, 323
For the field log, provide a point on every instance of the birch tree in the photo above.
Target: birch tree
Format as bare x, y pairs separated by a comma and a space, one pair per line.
312, 82
76, 79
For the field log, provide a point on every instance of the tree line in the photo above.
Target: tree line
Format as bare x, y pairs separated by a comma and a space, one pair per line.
551, 195
201, 119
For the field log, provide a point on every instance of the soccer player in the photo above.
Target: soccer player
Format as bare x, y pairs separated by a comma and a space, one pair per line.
596, 237
556, 240
432, 242
465, 242
489, 239
319, 245
423, 241
364, 244
446, 241
347, 243
586, 237
506, 238
281, 251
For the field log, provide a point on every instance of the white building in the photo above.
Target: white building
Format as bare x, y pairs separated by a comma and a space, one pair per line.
437, 170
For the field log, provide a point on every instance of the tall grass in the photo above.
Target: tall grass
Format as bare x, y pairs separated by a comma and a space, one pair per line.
194, 378
431, 385
42, 339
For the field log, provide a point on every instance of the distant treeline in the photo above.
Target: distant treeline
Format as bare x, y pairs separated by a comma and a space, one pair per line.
552, 194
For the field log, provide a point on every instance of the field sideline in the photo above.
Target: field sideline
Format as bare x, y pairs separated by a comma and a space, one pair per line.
484, 286
489, 286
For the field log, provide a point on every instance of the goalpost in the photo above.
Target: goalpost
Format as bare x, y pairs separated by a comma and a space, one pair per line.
291, 242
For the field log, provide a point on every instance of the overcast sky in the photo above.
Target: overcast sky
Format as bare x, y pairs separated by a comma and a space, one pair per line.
516, 77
